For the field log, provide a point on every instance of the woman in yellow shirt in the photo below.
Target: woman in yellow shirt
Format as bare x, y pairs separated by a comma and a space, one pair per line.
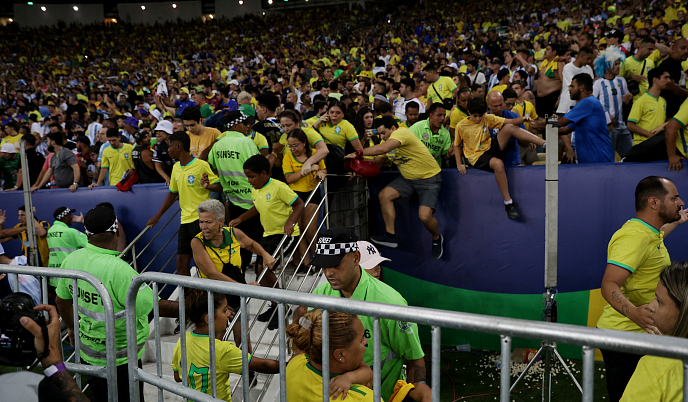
303, 185
337, 131
658, 378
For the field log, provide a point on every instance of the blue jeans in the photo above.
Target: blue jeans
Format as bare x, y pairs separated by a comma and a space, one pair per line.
622, 139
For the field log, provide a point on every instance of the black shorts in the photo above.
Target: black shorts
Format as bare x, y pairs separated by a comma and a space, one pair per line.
317, 197
483, 162
187, 231
251, 228
270, 244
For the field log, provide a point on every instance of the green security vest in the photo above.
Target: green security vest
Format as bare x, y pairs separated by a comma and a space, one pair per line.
228, 156
62, 240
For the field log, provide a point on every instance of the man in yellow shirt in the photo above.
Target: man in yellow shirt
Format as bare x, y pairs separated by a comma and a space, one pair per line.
13, 136
485, 152
459, 112
117, 160
202, 138
440, 89
636, 256
191, 182
648, 114
638, 66
420, 174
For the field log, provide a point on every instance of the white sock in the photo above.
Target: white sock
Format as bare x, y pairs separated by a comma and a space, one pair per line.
544, 144
508, 202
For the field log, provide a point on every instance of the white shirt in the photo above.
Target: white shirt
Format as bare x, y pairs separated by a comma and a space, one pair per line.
570, 71
400, 107
477, 78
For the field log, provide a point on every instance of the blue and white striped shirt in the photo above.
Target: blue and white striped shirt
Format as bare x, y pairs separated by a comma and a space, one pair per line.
610, 94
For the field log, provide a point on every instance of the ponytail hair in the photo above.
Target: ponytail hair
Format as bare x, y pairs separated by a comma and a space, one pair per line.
293, 115
675, 280
301, 137
196, 304
306, 335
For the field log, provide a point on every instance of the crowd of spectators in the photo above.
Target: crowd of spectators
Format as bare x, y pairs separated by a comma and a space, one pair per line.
268, 105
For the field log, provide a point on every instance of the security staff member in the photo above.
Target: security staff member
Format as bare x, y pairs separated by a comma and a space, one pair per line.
62, 239
338, 255
432, 134
636, 256
100, 258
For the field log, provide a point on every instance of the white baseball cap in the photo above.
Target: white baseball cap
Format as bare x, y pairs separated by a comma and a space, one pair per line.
164, 125
8, 148
454, 66
235, 82
370, 256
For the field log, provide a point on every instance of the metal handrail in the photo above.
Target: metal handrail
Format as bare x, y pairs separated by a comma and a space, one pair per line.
138, 237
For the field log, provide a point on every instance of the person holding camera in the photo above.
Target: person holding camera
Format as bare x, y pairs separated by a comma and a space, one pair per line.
57, 384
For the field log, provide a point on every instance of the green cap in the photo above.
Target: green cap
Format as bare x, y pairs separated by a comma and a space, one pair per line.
248, 110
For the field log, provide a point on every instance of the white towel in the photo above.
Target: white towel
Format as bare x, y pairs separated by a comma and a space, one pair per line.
162, 87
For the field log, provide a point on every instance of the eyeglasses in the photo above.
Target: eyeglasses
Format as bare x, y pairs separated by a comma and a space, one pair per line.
509, 104
293, 146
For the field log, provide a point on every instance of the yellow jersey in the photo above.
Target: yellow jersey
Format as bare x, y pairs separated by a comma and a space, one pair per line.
441, 89
682, 118
655, 379
313, 138
476, 138
226, 252
12, 139
118, 161
338, 134
292, 165
412, 157
634, 67
274, 204
186, 181
304, 383
525, 109
228, 359
457, 114
200, 142
498, 88
638, 248
648, 113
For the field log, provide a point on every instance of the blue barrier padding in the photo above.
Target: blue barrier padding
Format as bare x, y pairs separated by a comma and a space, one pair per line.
133, 209
485, 251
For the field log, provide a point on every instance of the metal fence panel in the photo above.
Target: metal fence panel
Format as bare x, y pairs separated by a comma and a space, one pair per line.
109, 372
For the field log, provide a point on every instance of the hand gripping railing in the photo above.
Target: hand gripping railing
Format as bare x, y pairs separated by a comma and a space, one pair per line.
588, 338
109, 372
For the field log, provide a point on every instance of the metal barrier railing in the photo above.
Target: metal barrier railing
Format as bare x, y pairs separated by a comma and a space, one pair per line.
507, 328
132, 245
109, 371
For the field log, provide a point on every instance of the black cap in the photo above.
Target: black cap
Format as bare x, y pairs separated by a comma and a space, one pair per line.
235, 117
61, 212
332, 246
84, 139
100, 220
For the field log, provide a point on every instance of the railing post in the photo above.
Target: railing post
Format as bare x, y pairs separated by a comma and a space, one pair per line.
327, 206
436, 355
243, 310
588, 373
182, 336
685, 381
282, 352
156, 328
377, 365
505, 378
325, 355
75, 318
211, 343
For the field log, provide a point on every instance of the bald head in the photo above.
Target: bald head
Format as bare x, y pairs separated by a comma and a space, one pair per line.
495, 101
679, 49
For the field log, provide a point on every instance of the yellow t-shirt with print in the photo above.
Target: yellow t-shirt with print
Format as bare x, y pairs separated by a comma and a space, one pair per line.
313, 138
682, 138
200, 142
457, 114
498, 88
13, 139
634, 67
338, 134
648, 113
228, 359
525, 109
118, 161
655, 379
476, 138
226, 252
444, 87
638, 248
412, 157
186, 181
290, 164
274, 204
304, 383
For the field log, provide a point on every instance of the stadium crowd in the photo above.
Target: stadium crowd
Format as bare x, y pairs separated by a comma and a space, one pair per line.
243, 118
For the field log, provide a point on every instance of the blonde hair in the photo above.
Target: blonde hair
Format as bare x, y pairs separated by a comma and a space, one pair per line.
675, 280
244, 97
342, 333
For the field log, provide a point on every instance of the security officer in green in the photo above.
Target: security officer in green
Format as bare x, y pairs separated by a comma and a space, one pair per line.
432, 133
227, 157
337, 254
100, 258
62, 239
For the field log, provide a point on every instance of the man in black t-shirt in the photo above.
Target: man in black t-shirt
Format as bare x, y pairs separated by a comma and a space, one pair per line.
675, 94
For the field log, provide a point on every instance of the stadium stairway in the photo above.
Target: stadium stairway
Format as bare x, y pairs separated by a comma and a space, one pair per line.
168, 340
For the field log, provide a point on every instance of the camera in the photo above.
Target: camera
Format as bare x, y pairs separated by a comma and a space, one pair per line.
16, 342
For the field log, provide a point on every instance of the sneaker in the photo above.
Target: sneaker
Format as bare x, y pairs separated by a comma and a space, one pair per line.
265, 317
511, 211
274, 323
384, 240
437, 248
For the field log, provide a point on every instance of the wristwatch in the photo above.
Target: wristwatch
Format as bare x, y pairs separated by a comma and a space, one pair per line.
75, 183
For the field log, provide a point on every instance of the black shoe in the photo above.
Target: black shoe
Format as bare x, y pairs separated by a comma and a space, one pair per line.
176, 329
437, 248
511, 211
251, 379
265, 317
384, 240
274, 322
